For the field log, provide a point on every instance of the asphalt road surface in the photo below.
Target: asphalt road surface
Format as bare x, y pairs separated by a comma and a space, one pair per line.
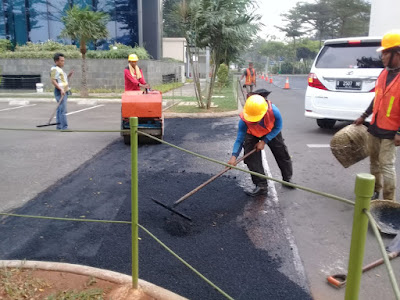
280, 247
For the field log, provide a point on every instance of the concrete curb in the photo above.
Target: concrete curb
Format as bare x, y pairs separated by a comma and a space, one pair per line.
96, 101
119, 278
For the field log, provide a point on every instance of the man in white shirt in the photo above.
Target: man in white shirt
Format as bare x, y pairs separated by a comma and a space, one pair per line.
60, 81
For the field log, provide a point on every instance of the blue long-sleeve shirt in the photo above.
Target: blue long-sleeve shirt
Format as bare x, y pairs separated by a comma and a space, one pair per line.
242, 130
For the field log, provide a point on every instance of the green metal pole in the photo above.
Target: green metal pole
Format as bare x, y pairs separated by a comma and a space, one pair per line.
134, 201
364, 190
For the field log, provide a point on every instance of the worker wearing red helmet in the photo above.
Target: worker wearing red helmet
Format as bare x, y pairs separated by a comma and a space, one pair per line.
260, 123
134, 79
385, 124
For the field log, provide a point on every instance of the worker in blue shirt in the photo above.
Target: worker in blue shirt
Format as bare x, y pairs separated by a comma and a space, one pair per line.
260, 124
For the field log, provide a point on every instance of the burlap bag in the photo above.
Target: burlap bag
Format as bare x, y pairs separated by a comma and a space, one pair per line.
350, 144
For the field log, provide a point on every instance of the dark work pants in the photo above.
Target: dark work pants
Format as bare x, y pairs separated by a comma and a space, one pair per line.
278, 149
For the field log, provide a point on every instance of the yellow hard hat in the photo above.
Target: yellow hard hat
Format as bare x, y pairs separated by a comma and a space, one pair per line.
390, 40
255, 108
133, 57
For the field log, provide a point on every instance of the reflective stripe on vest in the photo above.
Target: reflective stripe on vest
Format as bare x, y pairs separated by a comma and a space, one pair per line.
258, 130
386, 109
250, 78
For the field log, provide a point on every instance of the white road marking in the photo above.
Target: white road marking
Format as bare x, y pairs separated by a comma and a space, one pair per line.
11, 108
77, 111
318, 145
273, 195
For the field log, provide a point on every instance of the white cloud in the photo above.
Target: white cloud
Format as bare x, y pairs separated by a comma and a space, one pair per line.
270, 12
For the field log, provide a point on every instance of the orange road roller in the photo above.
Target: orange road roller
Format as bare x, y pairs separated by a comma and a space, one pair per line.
147, 107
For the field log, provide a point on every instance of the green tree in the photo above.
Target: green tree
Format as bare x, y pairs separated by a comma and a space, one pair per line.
334, 18
171, 26
84, 25
352, 17
228, 28
319, 16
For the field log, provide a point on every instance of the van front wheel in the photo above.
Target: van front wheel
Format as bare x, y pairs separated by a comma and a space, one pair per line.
326, 123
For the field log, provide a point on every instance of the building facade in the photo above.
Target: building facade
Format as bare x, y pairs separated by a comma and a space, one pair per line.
384, 17
132, 22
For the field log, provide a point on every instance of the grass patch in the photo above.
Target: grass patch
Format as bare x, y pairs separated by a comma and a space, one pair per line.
227, 103
166, 87
18, 284
93, 294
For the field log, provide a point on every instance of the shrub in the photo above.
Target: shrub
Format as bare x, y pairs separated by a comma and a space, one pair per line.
47, 50
46, 46
223, 76
41, 54
5, 45
121, 51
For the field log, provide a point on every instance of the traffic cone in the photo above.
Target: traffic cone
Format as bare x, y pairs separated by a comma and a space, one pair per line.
270, 80
287, 84
262, 76
266, 78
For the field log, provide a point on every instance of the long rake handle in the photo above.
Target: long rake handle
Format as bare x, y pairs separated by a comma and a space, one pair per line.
54, 112
211, 179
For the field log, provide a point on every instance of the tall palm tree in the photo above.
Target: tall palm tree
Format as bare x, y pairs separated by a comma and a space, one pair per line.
84, 25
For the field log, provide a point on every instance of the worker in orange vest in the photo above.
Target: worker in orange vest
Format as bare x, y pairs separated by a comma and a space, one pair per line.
134, 79
260, 124
385, 124
250, 74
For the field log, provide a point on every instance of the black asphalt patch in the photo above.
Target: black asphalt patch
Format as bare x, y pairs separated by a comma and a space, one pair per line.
215, 243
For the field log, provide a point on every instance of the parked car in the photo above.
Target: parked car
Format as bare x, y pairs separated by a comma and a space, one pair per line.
341, 83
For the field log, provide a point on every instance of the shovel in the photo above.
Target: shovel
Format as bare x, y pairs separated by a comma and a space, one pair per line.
52, 115
177, 202
339, 280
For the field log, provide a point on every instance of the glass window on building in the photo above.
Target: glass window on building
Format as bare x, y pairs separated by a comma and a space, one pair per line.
38, 23
108, 7
41, 20
55, 11
127, 22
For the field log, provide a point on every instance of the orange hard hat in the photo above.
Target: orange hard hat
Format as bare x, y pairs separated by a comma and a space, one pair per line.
390, 40
255, 108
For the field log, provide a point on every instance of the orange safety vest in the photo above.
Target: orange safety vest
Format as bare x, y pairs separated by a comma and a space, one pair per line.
257, 130
387, 103
250, 79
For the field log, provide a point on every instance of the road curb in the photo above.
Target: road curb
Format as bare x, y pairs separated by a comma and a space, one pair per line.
96, 101
115, 277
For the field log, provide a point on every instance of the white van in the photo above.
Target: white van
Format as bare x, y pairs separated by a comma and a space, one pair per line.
341, 83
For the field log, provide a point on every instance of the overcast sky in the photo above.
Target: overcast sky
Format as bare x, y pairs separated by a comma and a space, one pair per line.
271, 15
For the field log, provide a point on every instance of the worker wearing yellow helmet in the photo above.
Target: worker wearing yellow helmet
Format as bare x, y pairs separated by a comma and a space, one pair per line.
134, 79
260, 124
385, 124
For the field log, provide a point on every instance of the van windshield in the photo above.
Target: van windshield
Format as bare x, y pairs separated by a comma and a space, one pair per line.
350, 56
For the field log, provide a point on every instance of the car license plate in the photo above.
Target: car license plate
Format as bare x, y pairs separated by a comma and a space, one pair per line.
348, 84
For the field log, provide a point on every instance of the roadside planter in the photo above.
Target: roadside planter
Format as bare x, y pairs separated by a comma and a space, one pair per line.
51, 278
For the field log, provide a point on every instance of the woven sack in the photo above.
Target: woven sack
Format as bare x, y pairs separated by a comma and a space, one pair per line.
349, 145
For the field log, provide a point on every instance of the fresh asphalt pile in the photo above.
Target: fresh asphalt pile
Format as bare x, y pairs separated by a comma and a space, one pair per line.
215, 243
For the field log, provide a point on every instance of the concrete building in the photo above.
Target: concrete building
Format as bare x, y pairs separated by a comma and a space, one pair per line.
384, 16
132, 22
174, 48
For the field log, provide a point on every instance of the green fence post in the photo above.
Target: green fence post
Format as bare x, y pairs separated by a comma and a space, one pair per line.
364, 190
134, 201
